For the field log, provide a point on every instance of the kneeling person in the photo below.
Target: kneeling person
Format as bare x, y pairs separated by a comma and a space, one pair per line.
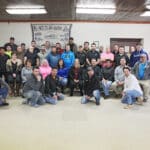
33, 89
51, 88
91, 87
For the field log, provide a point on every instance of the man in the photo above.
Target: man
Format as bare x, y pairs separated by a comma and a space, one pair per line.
4, 89
91, 87
135, 56
141, 70
81, 55
32, 55
47, 46
68, 57
73, 46
132, 89
12, 44
23, 47
115, 49
3, 60
120, 55
33, 44
33, 89
119, 76
86, 47
51, 88
93, 54
58, 48
53, 57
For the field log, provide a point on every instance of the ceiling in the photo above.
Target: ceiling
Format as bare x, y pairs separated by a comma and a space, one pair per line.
126, 11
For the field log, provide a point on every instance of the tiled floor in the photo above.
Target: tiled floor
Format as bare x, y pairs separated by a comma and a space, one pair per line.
72, 126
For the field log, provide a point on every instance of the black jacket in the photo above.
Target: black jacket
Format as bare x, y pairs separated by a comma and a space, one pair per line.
3, 60
108, 73
93, 54
91, 84
82, 57
33, 84
98, 72
118, 57
72, 74
51, 85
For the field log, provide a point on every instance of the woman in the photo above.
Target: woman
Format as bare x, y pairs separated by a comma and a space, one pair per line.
26, 71
62, 74
45, 69
13, 67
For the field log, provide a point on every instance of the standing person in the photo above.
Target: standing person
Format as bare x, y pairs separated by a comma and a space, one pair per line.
121, 54
68, 57
26, 71
23, 47
51, 88
86, 47
105, 56
93, 54
135, 56
75, 78
20, 53
3, 61
33, 44
62, 74
47, 47
118, 84
33, 89
81, 55
32, 55
4, 90
91, 87
58, 48
115, 49
42, 54
73, 46
141, 70
45, 69
107, 77
12, 44
53, 57
13, 67
8, 50
132, 89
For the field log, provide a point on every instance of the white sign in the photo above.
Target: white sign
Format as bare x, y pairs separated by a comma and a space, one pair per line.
51, 32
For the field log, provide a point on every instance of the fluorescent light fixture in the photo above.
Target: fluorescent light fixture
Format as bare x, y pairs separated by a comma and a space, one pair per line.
111, 6
21, 10
146, 14
94, 11
148, 6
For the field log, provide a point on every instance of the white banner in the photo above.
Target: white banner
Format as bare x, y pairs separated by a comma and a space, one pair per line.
51, 32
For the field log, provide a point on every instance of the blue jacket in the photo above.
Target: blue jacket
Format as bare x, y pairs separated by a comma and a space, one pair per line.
68, 58
53, 59
63, 72
135, 57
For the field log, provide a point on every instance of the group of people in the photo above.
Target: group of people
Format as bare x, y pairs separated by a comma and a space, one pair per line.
45, 74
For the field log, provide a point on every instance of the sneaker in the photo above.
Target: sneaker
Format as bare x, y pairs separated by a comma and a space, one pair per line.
106, 96
4, 104
97, 102
139, 100
128, 107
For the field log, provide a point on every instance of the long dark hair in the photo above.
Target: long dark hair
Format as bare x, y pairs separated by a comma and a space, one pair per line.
58, 66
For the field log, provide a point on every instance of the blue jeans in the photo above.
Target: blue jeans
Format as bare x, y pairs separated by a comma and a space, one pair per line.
63, 81
130, 97
51, 100
34, 97
106, 87
95, 94
4, 92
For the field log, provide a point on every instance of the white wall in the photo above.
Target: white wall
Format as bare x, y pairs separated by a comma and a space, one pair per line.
81, 32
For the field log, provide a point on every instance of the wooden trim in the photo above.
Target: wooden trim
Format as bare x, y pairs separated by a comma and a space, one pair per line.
78, 21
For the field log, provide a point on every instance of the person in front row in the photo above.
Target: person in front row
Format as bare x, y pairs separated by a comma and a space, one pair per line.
33, 89
4, 90
91, 87
51, 88
132, 89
